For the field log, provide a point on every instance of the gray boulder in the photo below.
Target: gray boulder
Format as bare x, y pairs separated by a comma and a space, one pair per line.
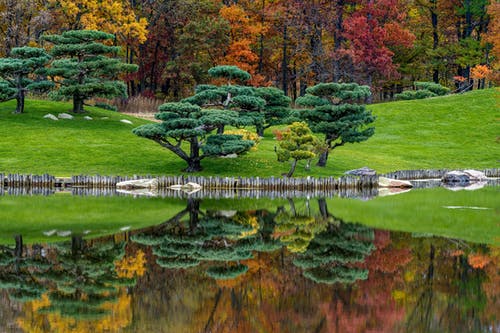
463, 177
364, 171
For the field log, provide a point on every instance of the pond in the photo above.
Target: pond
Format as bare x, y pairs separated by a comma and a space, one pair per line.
422, 261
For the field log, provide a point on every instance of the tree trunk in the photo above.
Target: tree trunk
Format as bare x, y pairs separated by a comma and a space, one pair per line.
323, 158
220, 129
19, 95
77, 104
292, 168
284, 61
435, 37
259, 130
18, 251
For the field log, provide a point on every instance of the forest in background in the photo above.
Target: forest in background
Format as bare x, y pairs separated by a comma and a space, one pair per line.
291, 44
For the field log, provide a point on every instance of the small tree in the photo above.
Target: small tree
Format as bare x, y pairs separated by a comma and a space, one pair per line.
85, 67
188, 123
296, 143
335, 113
15, 72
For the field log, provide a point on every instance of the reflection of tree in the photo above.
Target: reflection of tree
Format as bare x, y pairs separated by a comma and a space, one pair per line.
19, 273
84, 291
193, 236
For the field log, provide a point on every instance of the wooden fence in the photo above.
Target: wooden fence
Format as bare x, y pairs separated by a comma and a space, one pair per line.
432, 174
270, 184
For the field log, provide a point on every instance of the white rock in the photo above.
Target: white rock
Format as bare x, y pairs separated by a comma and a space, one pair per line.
104, 118
125, 121
386, 191
388, 182
475, 175
65, 116
176, 187
139, 192
191, 186
50, 116
125, 228
229, 156
87, 118
86, 232
138, 184
64, 233
50, 232
227, 213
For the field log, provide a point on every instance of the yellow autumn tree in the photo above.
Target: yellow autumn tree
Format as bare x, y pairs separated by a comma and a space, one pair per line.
131, 266
112, 16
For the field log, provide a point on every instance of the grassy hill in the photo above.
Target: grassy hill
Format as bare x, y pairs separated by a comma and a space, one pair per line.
459, 131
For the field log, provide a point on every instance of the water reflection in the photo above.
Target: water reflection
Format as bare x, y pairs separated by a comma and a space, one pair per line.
295, 268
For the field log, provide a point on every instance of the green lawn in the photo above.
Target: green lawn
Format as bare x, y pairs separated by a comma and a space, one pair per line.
448, 132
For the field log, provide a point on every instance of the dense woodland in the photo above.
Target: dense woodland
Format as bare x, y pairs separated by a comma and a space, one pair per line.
293, 44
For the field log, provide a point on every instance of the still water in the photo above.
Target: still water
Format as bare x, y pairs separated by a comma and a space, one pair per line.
424, 261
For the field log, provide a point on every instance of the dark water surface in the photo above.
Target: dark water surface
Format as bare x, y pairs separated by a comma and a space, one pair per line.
288, 265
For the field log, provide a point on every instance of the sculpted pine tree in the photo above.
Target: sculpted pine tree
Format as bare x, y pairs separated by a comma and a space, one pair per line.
16, 70
334, 112
186, 123
83, 67
259, 107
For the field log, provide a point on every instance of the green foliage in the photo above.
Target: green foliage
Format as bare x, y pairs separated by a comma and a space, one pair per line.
226, 272
340, 120
106, 106
224, 144
15, 71
414, 94
229, 72
435, 88
185, 122
85, 66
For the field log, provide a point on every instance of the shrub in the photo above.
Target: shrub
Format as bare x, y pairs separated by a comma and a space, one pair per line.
436, 88
415, 94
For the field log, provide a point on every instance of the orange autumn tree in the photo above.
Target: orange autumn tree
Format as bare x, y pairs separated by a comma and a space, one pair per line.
244, 33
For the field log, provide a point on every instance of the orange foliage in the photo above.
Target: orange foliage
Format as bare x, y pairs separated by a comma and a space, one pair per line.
478, 260
479, 72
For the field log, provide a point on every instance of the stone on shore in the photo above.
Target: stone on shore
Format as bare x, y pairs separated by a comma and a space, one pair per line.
463, 177
138, 184
125, 121
388, 182
65, 116
364, 171
50, 116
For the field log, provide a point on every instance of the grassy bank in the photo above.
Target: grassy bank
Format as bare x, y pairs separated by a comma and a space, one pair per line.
448, 132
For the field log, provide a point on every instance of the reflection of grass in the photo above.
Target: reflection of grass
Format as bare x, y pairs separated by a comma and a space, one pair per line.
458, 131
418, 211
31, 216
422, 211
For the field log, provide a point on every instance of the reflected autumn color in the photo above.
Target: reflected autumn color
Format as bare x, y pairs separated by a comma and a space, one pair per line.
297, 268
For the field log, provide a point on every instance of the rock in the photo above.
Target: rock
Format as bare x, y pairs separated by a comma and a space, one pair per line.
50, 232
140, 192
467, 186
463, 177
125, 121
87, 118
64, 233
226, 213
229, 156
191, 186
138, 184
388, 182
125, 228
50, 116
364, 171
104, 118
386, 191
65, 116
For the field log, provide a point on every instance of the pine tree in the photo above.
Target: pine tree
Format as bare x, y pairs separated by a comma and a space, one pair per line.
335, 113
86, 69
187, 123
16, 70
260, 107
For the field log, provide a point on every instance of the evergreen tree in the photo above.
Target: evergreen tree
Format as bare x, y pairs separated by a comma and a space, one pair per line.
85, 66
15, 72
187, 123
260, 107
335, 113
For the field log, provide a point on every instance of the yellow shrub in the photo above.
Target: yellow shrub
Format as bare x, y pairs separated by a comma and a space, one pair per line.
247, 135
